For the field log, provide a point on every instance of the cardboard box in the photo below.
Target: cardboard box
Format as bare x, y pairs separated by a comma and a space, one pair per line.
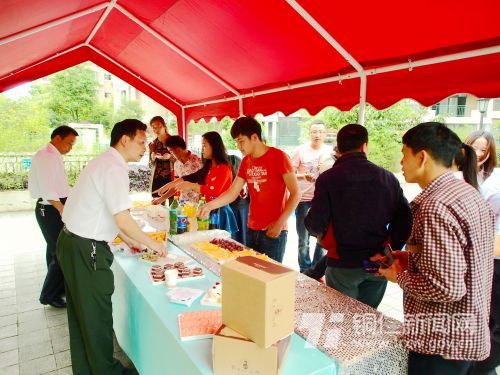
258, 299
236, 354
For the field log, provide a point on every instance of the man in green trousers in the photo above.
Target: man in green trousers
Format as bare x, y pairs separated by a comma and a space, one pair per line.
97, 210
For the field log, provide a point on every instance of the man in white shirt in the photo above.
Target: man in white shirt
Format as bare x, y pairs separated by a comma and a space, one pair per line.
309, 160
47, 184
97, 210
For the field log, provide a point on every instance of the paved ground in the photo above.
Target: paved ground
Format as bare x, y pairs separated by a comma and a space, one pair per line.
33, 338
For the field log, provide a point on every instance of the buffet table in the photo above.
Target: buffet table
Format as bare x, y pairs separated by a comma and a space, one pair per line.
334, 334
146, 327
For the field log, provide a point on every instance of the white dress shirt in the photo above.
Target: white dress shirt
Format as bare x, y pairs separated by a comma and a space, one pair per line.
102, 190
46, 178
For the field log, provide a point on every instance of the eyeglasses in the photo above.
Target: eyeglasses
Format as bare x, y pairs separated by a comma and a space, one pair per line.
318, 132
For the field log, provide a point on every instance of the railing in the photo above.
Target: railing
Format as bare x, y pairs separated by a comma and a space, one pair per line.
451, 110
21, 162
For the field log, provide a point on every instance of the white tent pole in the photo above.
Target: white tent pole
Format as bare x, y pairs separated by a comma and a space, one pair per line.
278, 89
184, 125
241, 106
53, 23
435, 60
43, 61
362, 100
132, 73
177, 50
101, 21
392, 68
346, 55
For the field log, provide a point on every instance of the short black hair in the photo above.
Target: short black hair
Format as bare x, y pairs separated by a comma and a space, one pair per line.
246, 126
127, 127
351, 137
175, 141
435, 138
63, 131
157, 118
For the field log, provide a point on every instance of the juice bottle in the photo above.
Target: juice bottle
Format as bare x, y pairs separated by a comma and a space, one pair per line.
173, 215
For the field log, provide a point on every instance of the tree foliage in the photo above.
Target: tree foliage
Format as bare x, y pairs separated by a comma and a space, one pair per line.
385, 128
64, 97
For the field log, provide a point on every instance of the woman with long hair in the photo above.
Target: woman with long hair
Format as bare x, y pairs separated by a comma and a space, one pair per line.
212, 179
489, 178
484, 145
160, 157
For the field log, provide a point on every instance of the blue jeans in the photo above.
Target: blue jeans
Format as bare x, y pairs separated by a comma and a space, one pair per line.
274, 248
241, 214
304, 258
357, 283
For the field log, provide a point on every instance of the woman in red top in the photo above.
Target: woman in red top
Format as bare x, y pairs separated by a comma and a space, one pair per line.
212, 180
216, 175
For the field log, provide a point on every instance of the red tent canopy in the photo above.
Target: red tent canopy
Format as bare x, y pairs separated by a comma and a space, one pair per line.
205, 58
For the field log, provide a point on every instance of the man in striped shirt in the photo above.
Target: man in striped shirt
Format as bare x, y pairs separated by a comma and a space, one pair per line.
446, 273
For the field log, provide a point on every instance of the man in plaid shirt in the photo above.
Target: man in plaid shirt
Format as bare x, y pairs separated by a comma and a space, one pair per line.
446, 274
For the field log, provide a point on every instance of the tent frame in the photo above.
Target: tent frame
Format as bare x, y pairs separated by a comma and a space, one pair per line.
360, 73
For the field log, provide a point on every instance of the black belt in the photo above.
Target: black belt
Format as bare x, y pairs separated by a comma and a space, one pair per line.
82, 238
63, 201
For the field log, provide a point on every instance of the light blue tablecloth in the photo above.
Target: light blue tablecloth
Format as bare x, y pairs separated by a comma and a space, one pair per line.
146, 327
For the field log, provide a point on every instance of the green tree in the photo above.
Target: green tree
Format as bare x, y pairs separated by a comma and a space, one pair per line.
23, 124
128, 109
385, 128
70, 95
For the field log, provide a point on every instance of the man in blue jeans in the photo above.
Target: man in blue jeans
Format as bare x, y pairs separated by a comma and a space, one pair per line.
357, 207
308, 160
268, 174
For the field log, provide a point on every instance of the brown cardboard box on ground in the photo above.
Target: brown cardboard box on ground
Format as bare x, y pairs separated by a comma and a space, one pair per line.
258, 299
235, 354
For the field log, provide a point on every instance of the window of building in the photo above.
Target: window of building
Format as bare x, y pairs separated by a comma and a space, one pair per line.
496, 104
452, 106
107, 95
123, 93
107, 77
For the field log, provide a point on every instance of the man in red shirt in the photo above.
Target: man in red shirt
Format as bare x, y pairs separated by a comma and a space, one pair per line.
268, 173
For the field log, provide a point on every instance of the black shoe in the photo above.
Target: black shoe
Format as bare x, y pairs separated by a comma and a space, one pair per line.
129, 371
57, 303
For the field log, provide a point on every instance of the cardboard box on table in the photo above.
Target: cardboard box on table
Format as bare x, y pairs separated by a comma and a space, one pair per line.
258, 299
236, 354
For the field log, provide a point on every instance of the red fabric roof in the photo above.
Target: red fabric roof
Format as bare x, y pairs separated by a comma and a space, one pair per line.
188, 52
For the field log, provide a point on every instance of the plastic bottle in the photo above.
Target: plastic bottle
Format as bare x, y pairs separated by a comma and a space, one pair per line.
173, 215
214, 219
182, 219
202, 223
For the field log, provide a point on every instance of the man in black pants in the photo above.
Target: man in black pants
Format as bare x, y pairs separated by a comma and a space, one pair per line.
47, 183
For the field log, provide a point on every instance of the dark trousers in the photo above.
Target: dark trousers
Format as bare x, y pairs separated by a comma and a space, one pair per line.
89, 308
357, 284
487, 367
158, 182
274, 248
50, 223
241, 215
304, 258
431, 364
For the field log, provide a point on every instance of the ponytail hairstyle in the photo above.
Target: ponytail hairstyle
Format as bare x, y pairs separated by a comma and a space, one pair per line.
466, 161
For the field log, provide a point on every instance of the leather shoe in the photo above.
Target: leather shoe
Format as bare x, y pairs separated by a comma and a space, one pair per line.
130, 371
57, 303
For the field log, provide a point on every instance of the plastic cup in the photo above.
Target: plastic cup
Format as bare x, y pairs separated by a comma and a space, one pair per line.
171, 278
